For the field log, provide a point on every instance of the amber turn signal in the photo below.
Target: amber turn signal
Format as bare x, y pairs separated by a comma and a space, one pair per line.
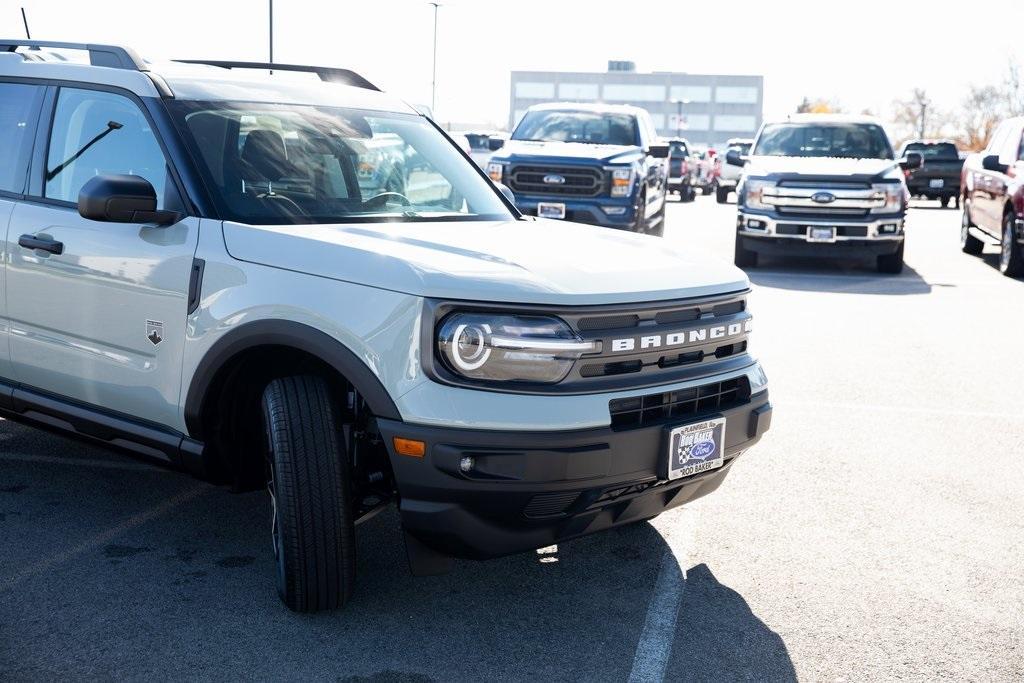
410, 447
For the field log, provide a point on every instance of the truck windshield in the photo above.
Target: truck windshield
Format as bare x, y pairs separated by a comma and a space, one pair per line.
937, 151
273, 164
850, 140
591, 127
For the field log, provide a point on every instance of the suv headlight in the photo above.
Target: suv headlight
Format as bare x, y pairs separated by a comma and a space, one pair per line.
754, 193
622, 181
895, 195
509, 348
496, 171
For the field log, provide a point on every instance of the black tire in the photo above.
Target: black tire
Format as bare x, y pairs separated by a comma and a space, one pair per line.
969, 244
743, 257
706, 190
640, 220
944, 201
890, 263
722, 194
309, 482
1011, 260
658, 229
688, 194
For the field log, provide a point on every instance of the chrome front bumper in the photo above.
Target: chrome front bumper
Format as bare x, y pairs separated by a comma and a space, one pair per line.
887, 228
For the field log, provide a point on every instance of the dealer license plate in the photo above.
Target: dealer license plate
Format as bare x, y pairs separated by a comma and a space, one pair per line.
936, 182
695, 448
821, 234
550, 210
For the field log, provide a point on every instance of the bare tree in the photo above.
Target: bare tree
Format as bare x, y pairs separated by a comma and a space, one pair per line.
818, 105
981, 111
915, 114
1014, 83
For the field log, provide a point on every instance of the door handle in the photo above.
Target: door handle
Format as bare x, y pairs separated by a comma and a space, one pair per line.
44, 243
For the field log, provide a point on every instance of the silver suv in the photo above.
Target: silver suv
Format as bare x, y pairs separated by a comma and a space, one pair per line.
306, 286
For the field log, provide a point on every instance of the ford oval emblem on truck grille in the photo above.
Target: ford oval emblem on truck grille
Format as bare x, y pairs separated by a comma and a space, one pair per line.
823, 197
554, 179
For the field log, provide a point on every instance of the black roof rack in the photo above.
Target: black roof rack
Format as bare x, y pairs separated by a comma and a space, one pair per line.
326, 73
112, 56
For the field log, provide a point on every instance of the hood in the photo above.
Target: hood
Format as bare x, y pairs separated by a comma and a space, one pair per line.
528, 262
859, 169
563, 150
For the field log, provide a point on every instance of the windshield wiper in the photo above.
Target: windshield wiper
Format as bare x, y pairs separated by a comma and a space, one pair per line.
111, 127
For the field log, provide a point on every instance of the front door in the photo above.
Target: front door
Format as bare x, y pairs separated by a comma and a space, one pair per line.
102, 318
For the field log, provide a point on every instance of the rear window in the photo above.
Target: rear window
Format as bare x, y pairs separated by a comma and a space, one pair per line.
939, 151
799, 139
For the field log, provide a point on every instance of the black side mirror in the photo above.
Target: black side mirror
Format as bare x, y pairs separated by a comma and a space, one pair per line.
507, 193
912, 160
991, 163
658, 151
494, 144
734, 158
122, 199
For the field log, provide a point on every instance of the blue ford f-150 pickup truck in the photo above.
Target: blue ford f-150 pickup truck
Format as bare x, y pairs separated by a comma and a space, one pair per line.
598, 164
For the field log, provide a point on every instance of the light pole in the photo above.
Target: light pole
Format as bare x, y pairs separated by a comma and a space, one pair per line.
433, 79
271, 35
679, 115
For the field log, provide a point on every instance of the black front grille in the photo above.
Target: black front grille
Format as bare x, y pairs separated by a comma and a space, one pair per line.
577, 182
823, 212
841, 230
653, 409
549, 504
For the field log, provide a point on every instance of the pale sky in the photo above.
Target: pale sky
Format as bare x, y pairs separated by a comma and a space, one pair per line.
863, 53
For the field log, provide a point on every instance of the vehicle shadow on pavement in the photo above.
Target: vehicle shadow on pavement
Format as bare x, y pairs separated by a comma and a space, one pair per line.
121, 570
838, 277
718, 637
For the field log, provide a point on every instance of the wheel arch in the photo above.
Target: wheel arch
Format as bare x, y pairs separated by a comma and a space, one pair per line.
212, 371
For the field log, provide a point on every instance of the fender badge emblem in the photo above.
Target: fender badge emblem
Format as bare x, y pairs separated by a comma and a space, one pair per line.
154, 331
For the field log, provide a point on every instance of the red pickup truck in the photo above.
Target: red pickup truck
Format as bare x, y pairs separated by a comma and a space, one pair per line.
992, 189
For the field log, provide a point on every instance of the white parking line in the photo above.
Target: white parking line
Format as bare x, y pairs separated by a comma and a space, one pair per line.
83, 462
654, 648
104, 536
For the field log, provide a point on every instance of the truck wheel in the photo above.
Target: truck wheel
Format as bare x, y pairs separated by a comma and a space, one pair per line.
640, 220
944, 201
1011, 260
688, 194
743, 257
658, 230
309, 483
722, 194
890, 263
969, 244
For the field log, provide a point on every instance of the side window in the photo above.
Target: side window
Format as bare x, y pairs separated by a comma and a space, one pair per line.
19, 110
97, 133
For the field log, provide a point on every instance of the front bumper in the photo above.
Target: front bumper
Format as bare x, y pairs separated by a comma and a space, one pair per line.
587, 211
788, 236
533, 489
922, 189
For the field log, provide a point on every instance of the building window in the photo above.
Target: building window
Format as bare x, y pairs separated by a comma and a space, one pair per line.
690, 93
730, 94
535, 91
577, 91
697, 122
745, 124
620, 92
659, 121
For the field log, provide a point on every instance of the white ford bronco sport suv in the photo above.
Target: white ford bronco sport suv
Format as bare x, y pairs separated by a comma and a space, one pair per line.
307, 286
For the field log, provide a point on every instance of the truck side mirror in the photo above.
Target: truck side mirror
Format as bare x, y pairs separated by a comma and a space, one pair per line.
991, 163
494, 144
734, 158
122, 199
911, 161
658, 151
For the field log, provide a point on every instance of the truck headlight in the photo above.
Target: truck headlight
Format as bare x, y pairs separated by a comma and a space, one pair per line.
496, 171
753, 191
509, 348
622, 181
895, 195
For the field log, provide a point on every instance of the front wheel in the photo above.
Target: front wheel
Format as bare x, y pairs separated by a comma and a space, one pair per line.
1011, 261
310, 491
890, 263
969, 244
743, 257
944, 201
722, 194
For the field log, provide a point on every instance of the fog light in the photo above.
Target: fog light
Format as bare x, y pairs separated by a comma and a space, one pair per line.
614, 210
888, 229
467, 463
755, 224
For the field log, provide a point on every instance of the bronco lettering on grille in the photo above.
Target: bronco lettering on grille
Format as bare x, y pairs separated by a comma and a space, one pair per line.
700, 334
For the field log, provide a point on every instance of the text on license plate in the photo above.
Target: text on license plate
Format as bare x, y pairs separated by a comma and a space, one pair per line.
936, 182
550, 210
821, 234
695, 448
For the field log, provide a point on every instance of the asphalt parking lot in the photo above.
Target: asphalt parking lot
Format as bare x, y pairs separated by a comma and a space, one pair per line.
875, 534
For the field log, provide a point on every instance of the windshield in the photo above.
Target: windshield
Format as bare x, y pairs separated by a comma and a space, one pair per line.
940, 151
578, 126
850, 140
270, 164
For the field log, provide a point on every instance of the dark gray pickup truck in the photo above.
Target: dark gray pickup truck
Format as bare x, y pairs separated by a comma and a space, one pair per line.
939, 175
